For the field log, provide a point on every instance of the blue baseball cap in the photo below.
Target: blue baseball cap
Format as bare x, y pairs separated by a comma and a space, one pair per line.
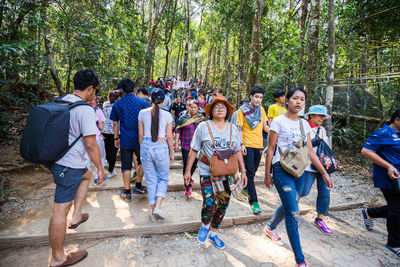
318, 110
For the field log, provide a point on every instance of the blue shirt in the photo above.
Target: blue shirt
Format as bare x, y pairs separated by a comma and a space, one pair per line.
386, 143
126, 111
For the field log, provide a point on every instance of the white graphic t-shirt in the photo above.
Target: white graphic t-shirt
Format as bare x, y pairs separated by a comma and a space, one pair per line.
289, 132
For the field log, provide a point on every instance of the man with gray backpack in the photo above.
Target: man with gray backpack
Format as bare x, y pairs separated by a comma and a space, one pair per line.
62, 135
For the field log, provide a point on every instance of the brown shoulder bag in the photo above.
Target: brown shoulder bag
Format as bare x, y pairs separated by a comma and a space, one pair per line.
223, 162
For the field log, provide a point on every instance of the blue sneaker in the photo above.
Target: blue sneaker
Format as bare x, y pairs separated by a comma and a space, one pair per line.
125, 196
202, 235
96, 180
218, 243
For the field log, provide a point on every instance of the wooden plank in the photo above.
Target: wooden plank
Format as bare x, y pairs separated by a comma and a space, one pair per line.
171, 188
41, 240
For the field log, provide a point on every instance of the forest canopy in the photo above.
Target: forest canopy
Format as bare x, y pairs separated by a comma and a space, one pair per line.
344, 52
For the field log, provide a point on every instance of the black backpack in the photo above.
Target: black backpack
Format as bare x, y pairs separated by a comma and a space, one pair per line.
45, 137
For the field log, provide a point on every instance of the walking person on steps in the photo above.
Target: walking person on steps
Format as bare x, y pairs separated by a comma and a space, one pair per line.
216, 191
285, 131
251, 121
108, 133
70, 173
383, 149
316, 115
154, 123
125, 114
185, 129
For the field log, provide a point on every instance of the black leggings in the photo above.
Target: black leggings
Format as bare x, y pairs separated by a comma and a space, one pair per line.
111, 151
185, 156
391, 212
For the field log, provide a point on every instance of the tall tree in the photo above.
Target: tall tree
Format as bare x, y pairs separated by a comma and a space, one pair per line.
159, 7
49, 49
330, 75
185, 60
168, 34
312, 52
303, 21
255, 46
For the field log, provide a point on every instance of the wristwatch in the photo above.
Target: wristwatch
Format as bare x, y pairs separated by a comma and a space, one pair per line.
242, 170
116, 138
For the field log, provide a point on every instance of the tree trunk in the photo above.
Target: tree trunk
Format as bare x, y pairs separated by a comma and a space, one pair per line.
241, 74
168, 32
330, 76
364, 82
49, 50
226, 64
303, 21
185, 61
149, 54
197, 47
312, 51
178, 59
255, 47
208, 65
166, 60
380, 105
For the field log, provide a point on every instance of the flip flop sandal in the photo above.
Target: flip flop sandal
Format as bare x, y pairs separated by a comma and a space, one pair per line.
73, 257
397, 252
85, 217
369, 224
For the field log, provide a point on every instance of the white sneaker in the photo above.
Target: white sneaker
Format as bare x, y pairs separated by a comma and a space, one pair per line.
153, 218
111, 175
159, 213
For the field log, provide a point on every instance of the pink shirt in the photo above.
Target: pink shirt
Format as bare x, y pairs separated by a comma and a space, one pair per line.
99, 118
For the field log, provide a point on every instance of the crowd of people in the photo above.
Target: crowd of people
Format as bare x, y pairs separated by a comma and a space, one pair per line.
148, 125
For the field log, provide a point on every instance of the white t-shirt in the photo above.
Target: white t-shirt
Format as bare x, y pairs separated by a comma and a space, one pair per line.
322, 133
145, 117
82, 121
288, 131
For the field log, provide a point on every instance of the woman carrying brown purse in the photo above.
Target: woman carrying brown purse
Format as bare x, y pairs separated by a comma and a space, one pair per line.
212, 137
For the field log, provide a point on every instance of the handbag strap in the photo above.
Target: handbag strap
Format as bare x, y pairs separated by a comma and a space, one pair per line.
317, 134
212, 138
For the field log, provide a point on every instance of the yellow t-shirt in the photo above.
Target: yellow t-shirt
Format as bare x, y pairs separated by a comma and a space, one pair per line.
251, 138
275, 110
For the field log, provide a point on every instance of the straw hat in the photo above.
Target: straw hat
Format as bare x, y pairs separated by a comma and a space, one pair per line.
217, 99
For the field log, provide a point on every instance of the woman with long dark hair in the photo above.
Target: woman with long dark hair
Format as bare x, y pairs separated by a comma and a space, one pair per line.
154, 124
286, 131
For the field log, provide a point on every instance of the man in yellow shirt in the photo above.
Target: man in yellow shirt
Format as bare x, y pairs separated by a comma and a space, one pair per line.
251, 121
277, 109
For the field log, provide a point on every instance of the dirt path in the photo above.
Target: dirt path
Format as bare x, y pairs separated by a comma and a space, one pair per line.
27, 214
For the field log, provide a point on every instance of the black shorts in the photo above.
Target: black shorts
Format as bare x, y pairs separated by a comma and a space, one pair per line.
127, 157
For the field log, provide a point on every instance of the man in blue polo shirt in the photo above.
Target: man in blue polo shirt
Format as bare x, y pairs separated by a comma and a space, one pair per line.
124, 113
383, 149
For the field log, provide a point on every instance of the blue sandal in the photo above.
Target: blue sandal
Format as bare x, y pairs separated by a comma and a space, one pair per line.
369, 224
397, 252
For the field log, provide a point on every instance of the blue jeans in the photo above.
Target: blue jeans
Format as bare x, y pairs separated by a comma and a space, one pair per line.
289, 189
155, 162
323, 193
322, 199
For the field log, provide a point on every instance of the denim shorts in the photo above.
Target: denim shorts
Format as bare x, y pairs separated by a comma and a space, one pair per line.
127, 157
67, 181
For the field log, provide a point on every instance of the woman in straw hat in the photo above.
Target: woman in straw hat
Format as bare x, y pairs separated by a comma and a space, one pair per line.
186, 125
216, 191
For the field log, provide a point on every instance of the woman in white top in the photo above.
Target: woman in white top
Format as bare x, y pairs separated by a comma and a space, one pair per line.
285, 130
316, 115
154, 124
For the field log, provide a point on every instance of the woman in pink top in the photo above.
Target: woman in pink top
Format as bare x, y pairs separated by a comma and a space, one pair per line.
202, 101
